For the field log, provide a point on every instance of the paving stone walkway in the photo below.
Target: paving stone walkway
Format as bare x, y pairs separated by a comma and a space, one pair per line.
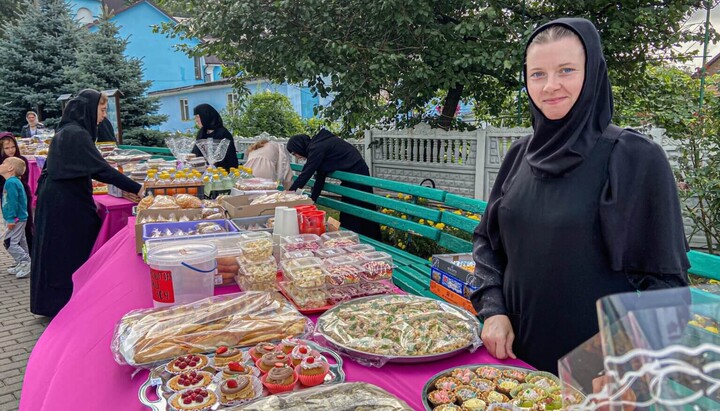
19, 331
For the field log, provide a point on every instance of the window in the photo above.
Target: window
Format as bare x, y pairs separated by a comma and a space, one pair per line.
232, 102
198, 69
84, 16
184, 110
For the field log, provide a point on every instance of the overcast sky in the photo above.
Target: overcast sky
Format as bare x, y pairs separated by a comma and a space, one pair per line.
698, 18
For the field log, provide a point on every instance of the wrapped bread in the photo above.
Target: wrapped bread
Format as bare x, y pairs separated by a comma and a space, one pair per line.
146, 202
163, 202
188, 201
148, 336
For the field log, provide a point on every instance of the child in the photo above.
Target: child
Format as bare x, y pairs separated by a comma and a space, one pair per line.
14, 210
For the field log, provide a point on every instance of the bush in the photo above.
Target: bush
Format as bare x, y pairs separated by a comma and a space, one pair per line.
145, 137
268, 112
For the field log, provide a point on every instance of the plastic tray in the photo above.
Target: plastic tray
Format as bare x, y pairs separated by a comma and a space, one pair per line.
185, 226
340, 239
246, 223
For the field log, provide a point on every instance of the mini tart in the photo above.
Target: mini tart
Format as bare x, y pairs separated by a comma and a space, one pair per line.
225, 355
447, 407
506, 385
187, 363
236, 389
268, 361
542, 381
529, 392
489, 373
438, 397
261, 349
463, 375
465, 392
235, 369
482, 384
501, 406
190, 379
447, 383
492, 397
198, 399
515, 374
474, 404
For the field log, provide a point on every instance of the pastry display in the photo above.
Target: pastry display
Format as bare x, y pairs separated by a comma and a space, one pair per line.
280, 378
240, 388
497, 390
198, 399
143, 337
192, 379
225, 355
339, 239
187, 363
268, 361
398, 326
336, 397
301, 242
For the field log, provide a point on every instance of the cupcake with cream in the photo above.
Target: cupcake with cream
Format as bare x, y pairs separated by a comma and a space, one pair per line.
280, 378
312, 371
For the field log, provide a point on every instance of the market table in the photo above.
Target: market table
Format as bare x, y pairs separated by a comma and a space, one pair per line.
72, 367
114, 213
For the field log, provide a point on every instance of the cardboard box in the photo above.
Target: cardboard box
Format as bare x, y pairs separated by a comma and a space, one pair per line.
191, 213
451, 283
451, 297
446, 264
239, 206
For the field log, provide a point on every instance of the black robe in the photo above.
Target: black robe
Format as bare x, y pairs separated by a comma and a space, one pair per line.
66, 220
212, 127
326, 153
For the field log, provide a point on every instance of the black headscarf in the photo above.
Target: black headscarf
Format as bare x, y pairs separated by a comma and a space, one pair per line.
209, 117
558, 146
298, 144
82, 110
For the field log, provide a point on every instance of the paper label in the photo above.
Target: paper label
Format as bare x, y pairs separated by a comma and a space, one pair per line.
162, 286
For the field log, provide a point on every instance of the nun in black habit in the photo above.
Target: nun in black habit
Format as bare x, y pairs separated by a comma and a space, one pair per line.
211, 126
581, 209
326, 153
66, 220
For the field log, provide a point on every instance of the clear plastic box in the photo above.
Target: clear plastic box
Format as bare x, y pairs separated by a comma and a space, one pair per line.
325, 253
377, 265
359, 249
247, 284
343, 270
301, 242
305, 298
256, 246
288, 255
305, 272
264, 271
340, 239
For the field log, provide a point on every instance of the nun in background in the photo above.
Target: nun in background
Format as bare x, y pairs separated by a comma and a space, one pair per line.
66, 220
211, 126
326, 153
581, 209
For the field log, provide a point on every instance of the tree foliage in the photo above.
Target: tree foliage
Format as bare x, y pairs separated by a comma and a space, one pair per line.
34, 53
384, 61
102, 65
9, 11
268, 112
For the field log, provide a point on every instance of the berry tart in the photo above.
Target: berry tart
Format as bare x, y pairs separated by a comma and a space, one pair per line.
268, 361
187, 363
191, 379
225, 355
235, 369
237, 389
197, 399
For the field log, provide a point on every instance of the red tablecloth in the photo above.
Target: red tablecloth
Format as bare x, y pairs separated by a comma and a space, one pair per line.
114, 213
72, 367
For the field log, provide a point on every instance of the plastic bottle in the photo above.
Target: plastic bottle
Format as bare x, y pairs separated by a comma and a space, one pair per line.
207, 186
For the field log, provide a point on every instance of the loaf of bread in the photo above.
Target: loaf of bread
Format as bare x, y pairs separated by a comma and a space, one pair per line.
145, 337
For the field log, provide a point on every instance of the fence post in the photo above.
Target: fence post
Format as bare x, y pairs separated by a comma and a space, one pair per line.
480, 137
369, 151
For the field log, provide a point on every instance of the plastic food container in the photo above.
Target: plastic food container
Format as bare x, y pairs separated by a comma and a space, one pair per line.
260, 223
325, 253
377, 265
264, 271
301, 242
289, 255
247, 284
187, 229
305, 298
359, 249
343, 270
340, 239
305, 272
182, 273
256, 246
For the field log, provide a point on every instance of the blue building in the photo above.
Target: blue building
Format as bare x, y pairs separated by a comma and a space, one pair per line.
179, 81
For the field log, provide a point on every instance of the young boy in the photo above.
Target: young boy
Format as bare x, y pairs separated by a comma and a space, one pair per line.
14, 210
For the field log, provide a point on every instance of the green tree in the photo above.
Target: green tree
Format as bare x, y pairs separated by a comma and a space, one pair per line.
384, 61
102, 65
268, 112
8, 11
34, 55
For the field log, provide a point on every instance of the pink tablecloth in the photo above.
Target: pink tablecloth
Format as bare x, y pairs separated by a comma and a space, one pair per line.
33, 175
72, 367
114, 213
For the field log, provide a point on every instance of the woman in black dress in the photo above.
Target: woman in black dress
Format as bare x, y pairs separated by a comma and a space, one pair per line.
211, 126
66, 220
326, 153
581, 209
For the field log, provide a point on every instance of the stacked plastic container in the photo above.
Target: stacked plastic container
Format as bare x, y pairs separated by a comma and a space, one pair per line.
305, 282
257, 266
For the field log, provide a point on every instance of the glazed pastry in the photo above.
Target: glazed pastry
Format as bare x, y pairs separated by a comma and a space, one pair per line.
463, 375
268, 361
438, 397
193, 400
192, 379
239, 388
465, 392
235, 369
187, 363
281, 374
225, 355
474, 404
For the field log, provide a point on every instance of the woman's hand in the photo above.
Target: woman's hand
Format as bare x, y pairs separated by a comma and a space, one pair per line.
498, 336
141, 192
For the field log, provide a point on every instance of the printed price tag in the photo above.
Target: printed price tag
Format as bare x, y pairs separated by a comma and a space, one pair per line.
162, 286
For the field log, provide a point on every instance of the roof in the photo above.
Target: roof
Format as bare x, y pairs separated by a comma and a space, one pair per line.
216, 83
123, 10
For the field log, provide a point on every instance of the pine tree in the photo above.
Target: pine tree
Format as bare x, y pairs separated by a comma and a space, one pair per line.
102, 65
34, 54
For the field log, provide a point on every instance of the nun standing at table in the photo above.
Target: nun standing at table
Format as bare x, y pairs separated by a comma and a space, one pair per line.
211, 126
66, 220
